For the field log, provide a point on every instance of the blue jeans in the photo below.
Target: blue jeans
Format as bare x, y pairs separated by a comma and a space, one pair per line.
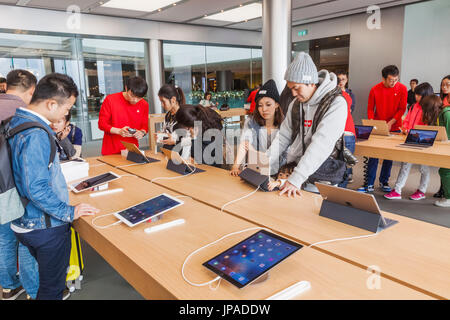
385, 170
349, 142
10, 249
51, 248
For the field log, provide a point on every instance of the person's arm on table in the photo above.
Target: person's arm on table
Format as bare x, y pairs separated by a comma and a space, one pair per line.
281, 142
36, 186
329, 130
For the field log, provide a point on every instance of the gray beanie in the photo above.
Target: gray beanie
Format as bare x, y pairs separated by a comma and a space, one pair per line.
302, 70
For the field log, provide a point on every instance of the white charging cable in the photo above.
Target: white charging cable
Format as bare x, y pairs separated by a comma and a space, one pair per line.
242, 198
129, 165
178, 177
107, 226
343, 239
208, 245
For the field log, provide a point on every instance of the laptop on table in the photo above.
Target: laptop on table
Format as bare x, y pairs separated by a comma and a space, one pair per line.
380, 127
442, 132
363, 133
420, 139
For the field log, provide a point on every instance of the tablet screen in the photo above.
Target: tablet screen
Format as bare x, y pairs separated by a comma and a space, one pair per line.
252, 257
148, 209
95, 181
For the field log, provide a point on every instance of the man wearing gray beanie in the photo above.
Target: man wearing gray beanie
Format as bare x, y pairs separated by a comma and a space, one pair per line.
324, 113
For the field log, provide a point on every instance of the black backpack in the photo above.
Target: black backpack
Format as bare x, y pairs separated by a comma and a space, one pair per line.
12, 204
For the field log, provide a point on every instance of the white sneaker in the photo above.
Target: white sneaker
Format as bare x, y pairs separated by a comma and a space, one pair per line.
444, 203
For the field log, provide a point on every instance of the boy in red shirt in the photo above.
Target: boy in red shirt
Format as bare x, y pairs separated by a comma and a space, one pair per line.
387, 101
123, 111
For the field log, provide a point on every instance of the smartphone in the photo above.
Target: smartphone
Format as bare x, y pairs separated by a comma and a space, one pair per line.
132, 131
93, 182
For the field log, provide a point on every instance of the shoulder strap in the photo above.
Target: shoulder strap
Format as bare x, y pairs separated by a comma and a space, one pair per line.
28, 125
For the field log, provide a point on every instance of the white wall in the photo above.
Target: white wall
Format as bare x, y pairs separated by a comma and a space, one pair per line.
30, 19
426, 42
370, 50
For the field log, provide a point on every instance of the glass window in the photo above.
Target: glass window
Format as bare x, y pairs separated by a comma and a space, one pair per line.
256, 67
229, 75
185, 66
107, 66
98, 66
330, 53
41, 55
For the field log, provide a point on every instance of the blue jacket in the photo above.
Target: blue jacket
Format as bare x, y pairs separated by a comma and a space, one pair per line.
45, 187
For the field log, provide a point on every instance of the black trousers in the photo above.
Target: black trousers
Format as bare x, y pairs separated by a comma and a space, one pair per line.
51, 249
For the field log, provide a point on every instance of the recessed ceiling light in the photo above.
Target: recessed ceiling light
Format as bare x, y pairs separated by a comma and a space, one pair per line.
139, 5
242, 13
337, 38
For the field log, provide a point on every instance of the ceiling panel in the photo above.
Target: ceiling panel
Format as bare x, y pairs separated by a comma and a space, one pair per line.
254, 24
61, 4
192, 9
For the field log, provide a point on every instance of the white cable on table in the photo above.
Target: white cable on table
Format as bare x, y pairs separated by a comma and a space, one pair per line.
208, 245
233, 201
342, 239
107, 226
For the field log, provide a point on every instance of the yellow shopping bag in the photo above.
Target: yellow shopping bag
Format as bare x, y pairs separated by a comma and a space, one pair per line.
76, 264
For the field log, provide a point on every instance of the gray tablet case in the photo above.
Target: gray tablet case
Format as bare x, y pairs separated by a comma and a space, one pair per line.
353, 216
182, 168
255, 178
139, 158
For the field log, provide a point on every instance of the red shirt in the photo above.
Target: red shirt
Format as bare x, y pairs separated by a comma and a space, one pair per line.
251, 98
413, 117
118, 113
388, 103
349, 125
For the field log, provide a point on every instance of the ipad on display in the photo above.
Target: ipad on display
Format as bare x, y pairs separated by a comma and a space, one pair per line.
93, 182
148, 209
251, 258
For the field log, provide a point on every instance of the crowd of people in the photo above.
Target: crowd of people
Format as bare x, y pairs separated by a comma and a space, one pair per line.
307, 133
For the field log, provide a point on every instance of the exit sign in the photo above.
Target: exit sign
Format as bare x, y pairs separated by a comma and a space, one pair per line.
303, 33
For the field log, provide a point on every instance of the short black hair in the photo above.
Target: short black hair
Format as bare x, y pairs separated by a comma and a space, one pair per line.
391, 70
20, 80
424, 89
207, 93
138, 86
415, 80
338, 72
55, 86
2, 80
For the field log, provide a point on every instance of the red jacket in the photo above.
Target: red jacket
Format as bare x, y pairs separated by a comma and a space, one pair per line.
117, 112
349, 125
251, 98
413, 117
387, 103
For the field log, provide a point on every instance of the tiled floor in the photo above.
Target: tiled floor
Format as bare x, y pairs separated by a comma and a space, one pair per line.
101, 281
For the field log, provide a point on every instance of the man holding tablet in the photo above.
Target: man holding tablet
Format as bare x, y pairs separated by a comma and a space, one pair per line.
124, 116
45, 226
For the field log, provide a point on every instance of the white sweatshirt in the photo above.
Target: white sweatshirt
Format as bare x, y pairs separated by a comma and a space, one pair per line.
318, 147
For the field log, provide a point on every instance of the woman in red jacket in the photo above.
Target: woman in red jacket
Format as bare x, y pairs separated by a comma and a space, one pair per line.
124, 116
414, 117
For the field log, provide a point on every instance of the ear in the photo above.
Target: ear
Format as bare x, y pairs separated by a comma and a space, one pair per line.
173, 100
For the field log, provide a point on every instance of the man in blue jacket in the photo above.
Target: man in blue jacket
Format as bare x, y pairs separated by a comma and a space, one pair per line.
45, 227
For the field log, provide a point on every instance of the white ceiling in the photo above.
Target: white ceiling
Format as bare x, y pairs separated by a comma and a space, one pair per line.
192, 11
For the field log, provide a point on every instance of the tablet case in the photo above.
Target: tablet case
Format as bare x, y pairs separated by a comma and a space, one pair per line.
355, 217
182, 168
139, 158
255, 178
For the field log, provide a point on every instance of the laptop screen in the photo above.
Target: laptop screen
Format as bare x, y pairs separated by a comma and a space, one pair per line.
363, 132
421, 137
